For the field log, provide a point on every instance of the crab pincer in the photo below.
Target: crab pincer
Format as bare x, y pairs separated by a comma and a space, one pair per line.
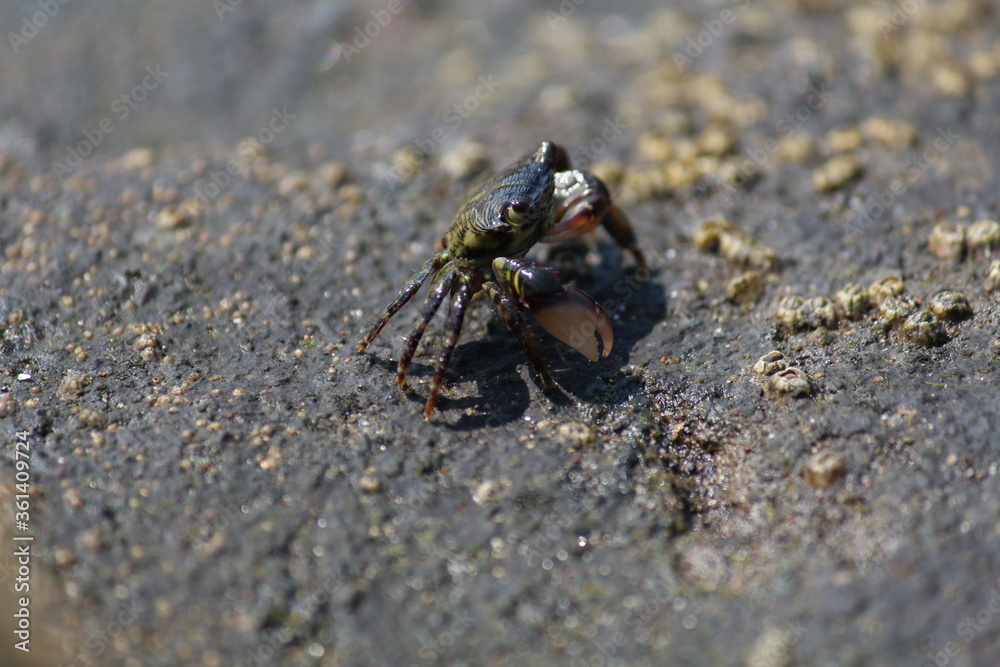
568, 313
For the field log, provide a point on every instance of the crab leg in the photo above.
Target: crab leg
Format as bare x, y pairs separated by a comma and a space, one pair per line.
581, 203
507, 309
569, 314
405, 294
620, 229
453, 327
443, 283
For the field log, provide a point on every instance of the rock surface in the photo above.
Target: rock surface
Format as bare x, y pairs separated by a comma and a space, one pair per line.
216, 478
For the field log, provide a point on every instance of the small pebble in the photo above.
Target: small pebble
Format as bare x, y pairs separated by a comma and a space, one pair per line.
295, 181
73, 385
893, 310
844, 139
653, 148
708, 236
716, 140
8, 405
823, 469
923, 328
484, 491
983, 235
137, 158
892, 132
145, 341
821, 311
795, 147
92, 538
172, 218
63, 557
746, 288
853, 301
789, 312
992, 282
92, 418
797, 314
947, 240
950, 79
773, 648
465, 160
406, 162
575, 434
836, 172
770, 363
791, 381
146, 345
333, 174
73, 498
719, 235
368, 484
950, 306
888, 286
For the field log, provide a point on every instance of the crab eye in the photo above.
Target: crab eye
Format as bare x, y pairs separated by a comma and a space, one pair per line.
514, 212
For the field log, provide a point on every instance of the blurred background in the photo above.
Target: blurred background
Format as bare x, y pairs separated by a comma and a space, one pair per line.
360, 81
351, 73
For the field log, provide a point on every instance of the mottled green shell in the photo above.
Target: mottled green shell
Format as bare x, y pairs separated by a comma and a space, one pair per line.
487, 227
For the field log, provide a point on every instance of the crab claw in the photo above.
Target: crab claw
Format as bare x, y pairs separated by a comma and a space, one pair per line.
576, 319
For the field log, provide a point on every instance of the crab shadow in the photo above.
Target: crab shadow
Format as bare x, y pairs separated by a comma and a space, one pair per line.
497, 365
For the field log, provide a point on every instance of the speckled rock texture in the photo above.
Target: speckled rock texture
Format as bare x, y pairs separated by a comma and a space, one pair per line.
204, 206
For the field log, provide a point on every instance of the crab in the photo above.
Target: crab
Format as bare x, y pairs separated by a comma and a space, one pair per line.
539, 199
